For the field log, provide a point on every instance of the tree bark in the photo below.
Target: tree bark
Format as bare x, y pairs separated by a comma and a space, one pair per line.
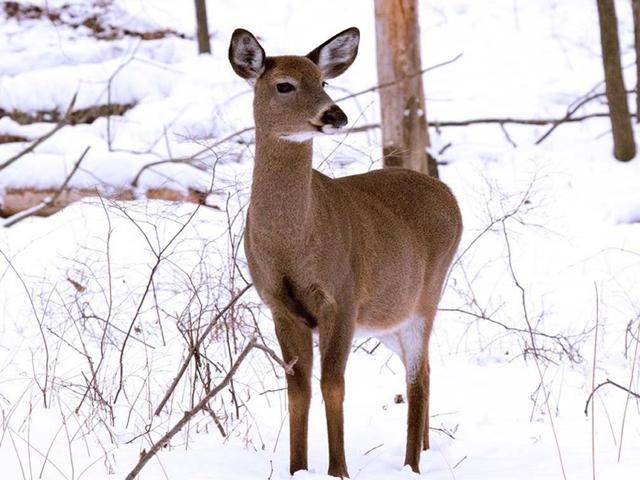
204, 46
635, 6
624, 147
403, 115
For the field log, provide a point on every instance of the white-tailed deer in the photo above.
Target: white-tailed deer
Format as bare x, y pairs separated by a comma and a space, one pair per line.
366, 252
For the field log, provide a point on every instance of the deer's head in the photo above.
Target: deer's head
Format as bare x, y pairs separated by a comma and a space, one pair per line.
290, 101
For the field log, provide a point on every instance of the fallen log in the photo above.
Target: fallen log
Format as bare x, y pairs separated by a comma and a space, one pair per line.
20, 199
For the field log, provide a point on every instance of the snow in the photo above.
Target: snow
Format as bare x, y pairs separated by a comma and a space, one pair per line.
560, 219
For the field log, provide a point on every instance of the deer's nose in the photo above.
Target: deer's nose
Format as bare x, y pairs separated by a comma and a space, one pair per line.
334, 116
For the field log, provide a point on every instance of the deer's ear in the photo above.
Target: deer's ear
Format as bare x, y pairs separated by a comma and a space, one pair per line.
246, 55
335, 55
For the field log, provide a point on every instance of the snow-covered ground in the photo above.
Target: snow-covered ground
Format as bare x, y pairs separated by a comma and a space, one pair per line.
552, 238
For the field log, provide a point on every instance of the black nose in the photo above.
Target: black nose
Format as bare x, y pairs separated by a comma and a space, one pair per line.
334, 116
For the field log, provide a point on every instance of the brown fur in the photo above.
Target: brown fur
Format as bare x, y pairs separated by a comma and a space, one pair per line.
365, 251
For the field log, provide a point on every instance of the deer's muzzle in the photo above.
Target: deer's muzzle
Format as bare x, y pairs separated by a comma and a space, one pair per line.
334, 116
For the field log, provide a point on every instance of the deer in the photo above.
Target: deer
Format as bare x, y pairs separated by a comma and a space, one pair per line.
335, 257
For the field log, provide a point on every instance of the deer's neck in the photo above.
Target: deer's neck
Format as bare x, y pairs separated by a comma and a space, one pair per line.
281, 195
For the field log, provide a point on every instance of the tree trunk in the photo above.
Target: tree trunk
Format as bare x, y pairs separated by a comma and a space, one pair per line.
204, 46
624, 147
403, 115
635, 5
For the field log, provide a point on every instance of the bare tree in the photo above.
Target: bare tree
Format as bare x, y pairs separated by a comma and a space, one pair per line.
635, 6
624, 147
204, 46
403, 115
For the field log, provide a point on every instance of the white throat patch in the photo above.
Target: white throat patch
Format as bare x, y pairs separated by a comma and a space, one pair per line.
300, 136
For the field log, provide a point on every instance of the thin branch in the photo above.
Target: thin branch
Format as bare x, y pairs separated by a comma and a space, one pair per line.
287, 367
196, 347
63, 122
373, 448
189, 159
571, 110
40, 321
394, 82
507, 136
536, 354
626, 403
116, 328
563, 341
494, 120
159, 259
608, 382
444, 431
147, 455
372, 126
593, 383
49, 202
216, 420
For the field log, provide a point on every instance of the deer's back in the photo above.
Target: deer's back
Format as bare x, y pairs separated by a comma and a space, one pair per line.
424, 204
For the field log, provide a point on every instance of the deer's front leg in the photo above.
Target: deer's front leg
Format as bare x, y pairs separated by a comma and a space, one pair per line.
335, 345
295, 342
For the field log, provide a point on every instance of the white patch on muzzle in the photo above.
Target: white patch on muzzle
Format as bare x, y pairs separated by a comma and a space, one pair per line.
330, 129
304, 136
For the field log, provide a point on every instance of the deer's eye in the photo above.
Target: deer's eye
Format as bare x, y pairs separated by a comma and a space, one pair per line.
285, 87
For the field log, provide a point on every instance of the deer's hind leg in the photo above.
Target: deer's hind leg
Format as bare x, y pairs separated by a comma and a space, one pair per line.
425, 434
418, 413
410, 342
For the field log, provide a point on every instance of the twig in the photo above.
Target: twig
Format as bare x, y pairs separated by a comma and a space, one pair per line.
112, 77
18, 217
372, 126
361, 346
216, 420
459, 462
563, 341
445, 431
116, 328
63, 121
507, 136
189, 159
525, 311
159, 258
372, 449
146, 455
593, 383
288, 367
608, 382
394, 82
40, 321
626, 403
494, 120
571, 110
196, 347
